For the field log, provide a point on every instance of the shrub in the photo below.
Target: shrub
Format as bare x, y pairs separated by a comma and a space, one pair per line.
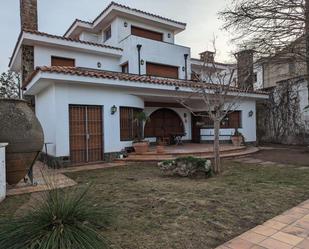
186, 167
61, 220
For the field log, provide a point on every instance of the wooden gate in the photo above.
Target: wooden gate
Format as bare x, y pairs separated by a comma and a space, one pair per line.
86, 133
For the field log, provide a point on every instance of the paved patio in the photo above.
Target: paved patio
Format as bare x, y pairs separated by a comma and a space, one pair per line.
289, 230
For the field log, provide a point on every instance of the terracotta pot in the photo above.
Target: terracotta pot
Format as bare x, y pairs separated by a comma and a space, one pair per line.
20, 128
160, 149
237, 140
141, 147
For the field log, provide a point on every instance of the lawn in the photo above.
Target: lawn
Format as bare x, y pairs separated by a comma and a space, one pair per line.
154, 211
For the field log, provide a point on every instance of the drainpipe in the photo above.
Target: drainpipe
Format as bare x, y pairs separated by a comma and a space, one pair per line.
186, 66
139, 46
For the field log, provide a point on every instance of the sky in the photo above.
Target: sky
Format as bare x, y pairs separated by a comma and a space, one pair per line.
55, 16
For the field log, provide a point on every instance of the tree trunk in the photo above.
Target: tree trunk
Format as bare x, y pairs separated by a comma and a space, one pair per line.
307, 42
217, 161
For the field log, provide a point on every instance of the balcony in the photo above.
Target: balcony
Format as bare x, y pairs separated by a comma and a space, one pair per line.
154, 52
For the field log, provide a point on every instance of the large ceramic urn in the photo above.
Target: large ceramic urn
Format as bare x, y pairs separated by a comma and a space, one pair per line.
20, 128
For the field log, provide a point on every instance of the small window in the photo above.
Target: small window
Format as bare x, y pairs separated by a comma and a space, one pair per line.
125, 68
160, 70
107, 33
64, 62
145, 33
231, 121
255, 77
128, 126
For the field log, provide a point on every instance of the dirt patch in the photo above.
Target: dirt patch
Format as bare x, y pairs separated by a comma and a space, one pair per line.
293, 155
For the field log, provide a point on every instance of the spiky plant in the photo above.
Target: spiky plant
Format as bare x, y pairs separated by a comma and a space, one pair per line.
61, 219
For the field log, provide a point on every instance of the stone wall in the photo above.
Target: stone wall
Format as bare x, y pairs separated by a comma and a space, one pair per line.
29, 14
283, 118
245, 69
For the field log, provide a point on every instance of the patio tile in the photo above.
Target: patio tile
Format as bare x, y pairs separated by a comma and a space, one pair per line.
304, 244
297, 231
287, 238
287, 219
300, 210
257, 247
263, 230
223, 247
275, 224
253, 237
239, 243
271, 243
303, 224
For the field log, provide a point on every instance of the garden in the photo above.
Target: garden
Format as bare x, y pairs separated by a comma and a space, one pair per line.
151, 209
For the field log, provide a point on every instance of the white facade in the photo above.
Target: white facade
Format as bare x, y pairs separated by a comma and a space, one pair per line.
55, 91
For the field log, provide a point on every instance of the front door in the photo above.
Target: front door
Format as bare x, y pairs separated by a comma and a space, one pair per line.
86, 133
196, 130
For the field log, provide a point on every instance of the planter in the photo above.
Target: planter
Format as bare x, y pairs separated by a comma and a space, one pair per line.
20, 128
160, 149
141, 147
237, 140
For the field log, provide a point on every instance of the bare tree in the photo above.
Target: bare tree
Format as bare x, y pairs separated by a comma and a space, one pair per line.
10, 85
220, 96
271, 27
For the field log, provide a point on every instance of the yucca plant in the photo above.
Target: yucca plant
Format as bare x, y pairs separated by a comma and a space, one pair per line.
61, 219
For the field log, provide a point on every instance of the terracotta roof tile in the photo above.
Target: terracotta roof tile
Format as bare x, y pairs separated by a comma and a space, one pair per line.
68, 39
125, 7
125, 77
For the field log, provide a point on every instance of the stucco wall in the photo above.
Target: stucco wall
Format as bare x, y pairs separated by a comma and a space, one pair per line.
248, 124
66, 94
152, 51
42, 57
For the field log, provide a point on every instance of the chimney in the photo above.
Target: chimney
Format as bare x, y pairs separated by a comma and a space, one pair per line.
29, 14
245, 69
28, 20
207, 56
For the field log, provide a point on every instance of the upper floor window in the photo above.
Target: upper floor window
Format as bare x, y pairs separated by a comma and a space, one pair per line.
125, 68
107, 33
255, 79
145, 33
64, 62
160, 70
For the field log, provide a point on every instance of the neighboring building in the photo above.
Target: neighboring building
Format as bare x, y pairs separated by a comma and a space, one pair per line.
89, 83
284, 119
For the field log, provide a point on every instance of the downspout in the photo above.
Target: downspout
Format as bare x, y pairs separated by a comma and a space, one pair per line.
186, 66
139, 46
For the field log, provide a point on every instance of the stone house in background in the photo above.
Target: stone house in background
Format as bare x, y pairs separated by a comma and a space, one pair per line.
284, 118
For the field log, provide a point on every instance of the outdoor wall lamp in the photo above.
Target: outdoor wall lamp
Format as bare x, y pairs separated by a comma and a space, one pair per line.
169, 35
142, 62
125, 24
250, 114
99, 65
113, 109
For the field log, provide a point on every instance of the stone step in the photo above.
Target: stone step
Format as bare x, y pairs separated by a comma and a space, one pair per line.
160, 157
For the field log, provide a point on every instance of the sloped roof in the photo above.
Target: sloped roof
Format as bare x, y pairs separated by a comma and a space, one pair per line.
75, 71
124, 7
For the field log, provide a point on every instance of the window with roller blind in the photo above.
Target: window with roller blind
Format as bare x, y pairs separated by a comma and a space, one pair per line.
145, 33
154, 69
62, 62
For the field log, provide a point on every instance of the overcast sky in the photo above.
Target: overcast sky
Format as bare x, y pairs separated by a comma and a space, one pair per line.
55, 16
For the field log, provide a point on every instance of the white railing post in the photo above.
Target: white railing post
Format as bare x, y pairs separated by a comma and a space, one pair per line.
2, 171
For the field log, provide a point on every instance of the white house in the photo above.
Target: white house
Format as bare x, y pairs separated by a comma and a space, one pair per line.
89, 83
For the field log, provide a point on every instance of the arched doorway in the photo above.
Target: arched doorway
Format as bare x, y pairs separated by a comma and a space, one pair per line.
164, 123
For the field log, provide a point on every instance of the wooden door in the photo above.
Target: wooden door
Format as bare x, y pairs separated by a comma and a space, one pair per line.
196, 130
86, 133
163, 123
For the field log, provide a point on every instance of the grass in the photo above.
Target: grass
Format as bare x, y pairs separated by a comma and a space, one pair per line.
152, 211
